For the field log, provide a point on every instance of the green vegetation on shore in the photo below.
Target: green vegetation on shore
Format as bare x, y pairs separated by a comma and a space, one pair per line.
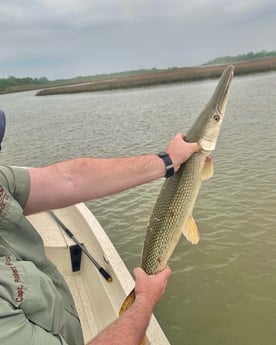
242, 58
13, 84
249, 63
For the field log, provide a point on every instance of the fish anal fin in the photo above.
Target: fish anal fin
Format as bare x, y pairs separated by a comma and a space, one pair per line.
208, 169
190, 231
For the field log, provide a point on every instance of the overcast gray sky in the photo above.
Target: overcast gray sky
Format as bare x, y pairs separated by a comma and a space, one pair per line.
67, 38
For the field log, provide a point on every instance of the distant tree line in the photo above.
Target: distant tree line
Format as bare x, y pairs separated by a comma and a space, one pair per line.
240, 58
13, 83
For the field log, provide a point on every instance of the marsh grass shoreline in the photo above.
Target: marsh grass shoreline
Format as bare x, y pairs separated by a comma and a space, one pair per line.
159, 77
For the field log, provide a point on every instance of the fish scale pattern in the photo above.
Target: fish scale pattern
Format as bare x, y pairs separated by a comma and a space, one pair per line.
172, 209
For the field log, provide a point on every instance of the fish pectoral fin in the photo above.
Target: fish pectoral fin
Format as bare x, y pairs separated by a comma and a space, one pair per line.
190, 231
208, 169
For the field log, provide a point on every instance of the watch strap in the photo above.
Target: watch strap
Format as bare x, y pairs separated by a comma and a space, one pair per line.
168, 163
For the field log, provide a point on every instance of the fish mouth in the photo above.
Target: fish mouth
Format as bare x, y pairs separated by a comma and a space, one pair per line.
206, 127
220, 95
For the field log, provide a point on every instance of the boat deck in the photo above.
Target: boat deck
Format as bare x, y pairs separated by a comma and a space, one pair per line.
57, 249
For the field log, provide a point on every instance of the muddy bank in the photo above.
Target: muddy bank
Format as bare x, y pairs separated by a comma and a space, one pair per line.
157, 77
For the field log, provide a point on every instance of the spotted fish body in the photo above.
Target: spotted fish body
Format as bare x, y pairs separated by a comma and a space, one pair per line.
172, 210
172, 213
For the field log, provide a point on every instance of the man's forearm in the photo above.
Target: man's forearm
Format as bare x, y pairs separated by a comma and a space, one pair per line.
100, 177
83, 179
129, 329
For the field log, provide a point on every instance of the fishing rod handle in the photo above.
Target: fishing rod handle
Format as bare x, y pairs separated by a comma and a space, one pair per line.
106, 275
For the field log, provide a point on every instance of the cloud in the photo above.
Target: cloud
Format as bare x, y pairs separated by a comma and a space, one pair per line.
63, 38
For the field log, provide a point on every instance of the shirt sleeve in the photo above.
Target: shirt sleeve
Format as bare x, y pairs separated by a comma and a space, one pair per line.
15, 328
17, 182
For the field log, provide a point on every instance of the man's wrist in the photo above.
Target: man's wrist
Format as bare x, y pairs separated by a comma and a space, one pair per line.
168, 163
145, 303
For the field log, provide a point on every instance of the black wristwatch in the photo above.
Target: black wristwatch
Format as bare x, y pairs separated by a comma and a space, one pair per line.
168, 163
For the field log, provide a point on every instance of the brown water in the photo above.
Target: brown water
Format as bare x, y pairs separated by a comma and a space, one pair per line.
222, 291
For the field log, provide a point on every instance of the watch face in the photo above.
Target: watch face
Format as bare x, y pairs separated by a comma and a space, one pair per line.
162, 154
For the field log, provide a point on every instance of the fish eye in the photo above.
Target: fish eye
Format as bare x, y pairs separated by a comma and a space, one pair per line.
216, 117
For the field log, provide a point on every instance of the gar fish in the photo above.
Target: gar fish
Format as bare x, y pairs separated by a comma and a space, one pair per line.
172, 213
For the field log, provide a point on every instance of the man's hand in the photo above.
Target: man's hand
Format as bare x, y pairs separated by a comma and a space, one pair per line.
180, 150
151, 287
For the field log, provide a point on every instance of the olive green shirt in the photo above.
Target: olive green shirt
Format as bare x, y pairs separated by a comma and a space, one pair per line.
36, 306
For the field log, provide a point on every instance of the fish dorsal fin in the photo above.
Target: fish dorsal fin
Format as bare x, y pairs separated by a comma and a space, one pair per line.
208, 169
190, 231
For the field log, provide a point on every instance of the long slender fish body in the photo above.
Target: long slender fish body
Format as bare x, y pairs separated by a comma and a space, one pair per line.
172, 213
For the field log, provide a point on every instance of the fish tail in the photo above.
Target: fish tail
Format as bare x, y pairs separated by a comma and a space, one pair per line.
126, 305
127, 302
